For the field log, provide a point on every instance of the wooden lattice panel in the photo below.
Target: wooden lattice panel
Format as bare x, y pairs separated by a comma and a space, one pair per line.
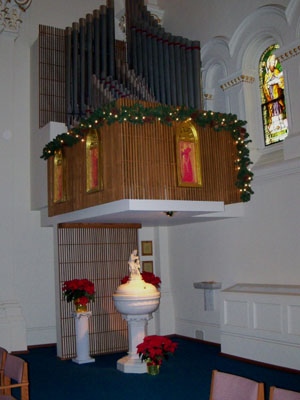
51, 75
98, 252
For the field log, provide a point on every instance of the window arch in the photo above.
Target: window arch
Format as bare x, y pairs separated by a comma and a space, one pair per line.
272, 97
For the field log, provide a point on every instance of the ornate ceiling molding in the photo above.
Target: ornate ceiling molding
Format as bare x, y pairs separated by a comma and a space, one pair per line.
237, 80
11, 12
287, 53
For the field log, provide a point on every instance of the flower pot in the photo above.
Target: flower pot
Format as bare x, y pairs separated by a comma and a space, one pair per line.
80, 307
153, 369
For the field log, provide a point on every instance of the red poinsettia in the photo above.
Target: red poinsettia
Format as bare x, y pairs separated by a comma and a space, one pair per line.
80, 290
148, 277
155, 349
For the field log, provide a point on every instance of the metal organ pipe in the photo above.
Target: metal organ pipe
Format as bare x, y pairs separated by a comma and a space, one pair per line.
111, 38
96, 24
160, 67
82, 41
103, 42
196, 72
68, 71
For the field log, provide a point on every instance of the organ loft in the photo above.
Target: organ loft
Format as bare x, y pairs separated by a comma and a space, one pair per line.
135, 124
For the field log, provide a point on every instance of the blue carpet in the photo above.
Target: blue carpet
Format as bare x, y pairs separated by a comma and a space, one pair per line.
186, 375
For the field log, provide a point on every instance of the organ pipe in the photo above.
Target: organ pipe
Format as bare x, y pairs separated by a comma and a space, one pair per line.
159, 66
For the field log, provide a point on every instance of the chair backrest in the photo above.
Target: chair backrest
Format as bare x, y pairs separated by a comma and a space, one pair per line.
283, 394
232, 387
15, 368
3, 354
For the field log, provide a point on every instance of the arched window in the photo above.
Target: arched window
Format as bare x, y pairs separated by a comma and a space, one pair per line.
272, 97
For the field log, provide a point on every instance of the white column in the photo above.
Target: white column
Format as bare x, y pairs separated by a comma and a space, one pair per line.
137, 325
82, 338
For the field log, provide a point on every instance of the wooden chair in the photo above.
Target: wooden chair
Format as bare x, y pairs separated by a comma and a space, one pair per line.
17, 369
3, 354
232, 387
283, 394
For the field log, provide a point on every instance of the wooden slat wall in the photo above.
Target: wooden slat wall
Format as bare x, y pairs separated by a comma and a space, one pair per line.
139, 162
51, 75
150, 164
100, 253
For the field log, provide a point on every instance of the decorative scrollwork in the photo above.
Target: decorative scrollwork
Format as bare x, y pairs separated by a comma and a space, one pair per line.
10, 14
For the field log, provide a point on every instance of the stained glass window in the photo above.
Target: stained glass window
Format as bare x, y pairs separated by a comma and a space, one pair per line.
272, 97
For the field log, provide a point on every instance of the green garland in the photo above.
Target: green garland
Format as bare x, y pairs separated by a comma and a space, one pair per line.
138, 114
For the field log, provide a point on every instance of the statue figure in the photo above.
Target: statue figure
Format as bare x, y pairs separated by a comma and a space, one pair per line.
134, 265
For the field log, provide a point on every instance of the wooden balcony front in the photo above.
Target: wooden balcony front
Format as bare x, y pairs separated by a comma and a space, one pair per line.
139, 162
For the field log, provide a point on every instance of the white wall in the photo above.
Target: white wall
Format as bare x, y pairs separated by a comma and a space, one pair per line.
202, 20
261, 247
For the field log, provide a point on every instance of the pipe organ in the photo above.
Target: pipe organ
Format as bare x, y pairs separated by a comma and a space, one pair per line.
159, 67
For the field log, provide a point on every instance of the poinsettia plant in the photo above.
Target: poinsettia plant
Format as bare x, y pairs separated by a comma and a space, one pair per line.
79, 290
148, 277
155, 349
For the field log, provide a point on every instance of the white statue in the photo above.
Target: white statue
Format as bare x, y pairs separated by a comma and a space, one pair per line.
134, 265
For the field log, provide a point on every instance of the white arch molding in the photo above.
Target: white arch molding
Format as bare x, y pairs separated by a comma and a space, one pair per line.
239, 76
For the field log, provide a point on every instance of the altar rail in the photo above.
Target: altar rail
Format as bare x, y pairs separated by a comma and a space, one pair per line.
139, 162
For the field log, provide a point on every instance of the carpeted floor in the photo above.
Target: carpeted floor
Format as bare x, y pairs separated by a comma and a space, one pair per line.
185, 376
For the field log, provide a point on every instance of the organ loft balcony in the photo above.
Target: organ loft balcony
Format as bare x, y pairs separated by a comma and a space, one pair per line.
120, 134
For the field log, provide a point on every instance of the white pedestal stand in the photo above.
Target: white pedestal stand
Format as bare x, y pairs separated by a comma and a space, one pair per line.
137, 325
82, 338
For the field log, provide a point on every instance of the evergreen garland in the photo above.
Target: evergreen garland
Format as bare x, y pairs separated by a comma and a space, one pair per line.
138, 114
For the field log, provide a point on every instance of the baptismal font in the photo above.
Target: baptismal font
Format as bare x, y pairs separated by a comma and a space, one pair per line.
136, 300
